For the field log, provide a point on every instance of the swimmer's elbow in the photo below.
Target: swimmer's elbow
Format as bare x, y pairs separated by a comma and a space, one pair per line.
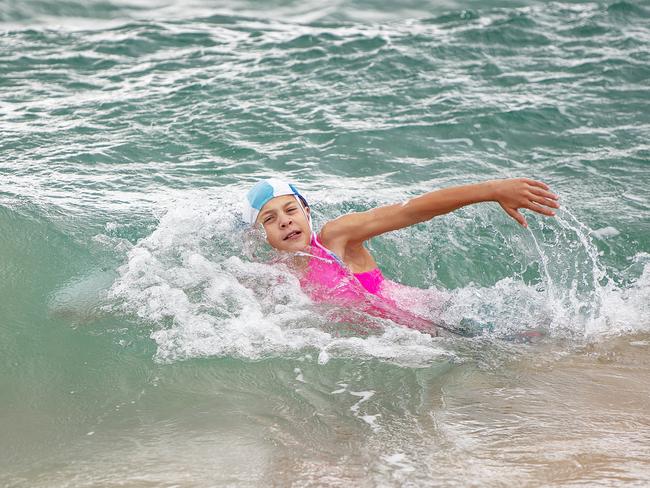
413, 212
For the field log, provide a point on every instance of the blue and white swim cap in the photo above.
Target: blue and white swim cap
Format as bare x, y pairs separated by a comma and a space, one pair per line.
262, 192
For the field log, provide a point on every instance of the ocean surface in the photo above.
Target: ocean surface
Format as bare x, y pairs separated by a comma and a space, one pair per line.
146, 341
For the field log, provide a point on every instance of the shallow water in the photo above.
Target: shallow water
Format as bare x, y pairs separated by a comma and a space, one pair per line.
140, 345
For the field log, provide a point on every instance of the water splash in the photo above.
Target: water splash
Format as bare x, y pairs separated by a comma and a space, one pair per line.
189, 283
201, 300
574, 295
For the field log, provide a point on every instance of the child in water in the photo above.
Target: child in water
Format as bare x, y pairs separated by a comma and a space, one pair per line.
335, 266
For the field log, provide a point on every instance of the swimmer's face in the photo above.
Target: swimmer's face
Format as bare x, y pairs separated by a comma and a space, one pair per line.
285, 224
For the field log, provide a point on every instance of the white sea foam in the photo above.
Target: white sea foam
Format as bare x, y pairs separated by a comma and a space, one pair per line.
606, 232
206, 302
190, 281
576, 297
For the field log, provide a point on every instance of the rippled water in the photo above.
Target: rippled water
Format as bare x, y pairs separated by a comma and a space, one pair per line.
140, 345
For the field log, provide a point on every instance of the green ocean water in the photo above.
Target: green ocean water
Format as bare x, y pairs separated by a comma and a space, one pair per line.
141, 344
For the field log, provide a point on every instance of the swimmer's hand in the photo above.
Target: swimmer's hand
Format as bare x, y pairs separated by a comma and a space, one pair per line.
517, 193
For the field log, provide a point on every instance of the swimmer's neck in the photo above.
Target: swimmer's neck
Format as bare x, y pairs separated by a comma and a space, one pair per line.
296, 261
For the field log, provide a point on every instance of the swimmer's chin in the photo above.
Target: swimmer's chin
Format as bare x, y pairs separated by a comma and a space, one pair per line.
292, 246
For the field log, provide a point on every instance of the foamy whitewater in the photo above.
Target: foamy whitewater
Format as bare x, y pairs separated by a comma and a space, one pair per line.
191, 280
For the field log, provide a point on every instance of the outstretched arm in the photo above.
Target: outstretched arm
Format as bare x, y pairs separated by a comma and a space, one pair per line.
511, 194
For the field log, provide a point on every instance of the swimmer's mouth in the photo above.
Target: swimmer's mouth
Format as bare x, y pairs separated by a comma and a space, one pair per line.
292, 235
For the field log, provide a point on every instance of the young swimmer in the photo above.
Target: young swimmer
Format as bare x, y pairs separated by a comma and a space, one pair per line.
335, 265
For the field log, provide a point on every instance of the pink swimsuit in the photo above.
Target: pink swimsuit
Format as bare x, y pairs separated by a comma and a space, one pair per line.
328, 279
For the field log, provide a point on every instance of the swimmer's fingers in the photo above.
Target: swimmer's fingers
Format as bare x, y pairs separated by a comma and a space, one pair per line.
544, 193
536, 183
514, 213
540, 208
546, 202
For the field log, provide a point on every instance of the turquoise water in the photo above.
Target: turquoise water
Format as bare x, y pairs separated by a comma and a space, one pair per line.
141, 345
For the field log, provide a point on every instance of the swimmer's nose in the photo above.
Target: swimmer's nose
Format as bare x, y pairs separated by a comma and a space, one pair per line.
285, 221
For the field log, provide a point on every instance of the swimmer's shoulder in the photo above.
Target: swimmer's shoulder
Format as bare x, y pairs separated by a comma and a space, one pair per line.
339, 231
334, 235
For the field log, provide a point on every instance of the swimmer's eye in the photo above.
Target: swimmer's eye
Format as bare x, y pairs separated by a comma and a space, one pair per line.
267, 219
292, 209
